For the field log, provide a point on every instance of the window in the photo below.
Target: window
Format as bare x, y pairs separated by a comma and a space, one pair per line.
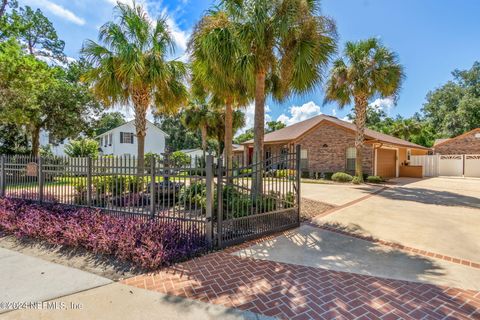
100, 141
105, 140
409, 154
126, 137
351, 156
110, 138
303, 159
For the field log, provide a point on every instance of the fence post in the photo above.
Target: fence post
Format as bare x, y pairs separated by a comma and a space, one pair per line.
2, 176
152, 186
220, 202
89, 181
299, 175
40, 179
210, 199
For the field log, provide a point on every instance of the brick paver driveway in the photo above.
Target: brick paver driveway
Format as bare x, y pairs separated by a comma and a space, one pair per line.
294, 291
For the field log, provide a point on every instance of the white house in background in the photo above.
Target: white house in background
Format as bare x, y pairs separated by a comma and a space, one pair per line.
193, 154
122, 140
58, 149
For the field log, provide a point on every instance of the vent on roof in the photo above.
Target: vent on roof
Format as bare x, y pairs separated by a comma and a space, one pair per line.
477, 135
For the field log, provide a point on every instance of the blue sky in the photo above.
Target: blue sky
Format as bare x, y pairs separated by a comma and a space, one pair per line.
431, 37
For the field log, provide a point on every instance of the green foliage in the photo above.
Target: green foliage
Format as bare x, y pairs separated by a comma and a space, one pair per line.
241, 138
274, 126
107, 122
356, 180
285, 173
374, 179
82, 148
180, 159
179, 137
341, 177
194, 195
46, 151
454, 108
38, 33
148, 159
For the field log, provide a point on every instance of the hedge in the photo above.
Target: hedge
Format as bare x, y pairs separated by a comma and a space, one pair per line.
146, 243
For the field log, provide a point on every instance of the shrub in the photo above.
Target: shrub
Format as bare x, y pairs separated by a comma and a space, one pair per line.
194, 195
374, 179
180, 159
82, 148
148, 244
341, 177
285, 173
356, 180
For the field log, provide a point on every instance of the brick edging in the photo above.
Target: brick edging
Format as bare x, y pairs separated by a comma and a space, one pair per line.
425, 253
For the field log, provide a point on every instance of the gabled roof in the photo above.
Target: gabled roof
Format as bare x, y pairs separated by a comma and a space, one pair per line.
132, 121
442, 141
297, 130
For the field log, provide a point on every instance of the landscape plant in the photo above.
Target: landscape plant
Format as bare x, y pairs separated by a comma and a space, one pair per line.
149, 244
367, 70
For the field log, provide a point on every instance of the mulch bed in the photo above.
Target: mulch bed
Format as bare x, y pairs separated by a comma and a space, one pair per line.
310, 208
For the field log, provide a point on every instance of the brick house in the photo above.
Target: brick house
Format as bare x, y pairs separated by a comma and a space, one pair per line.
328, 145
467, 143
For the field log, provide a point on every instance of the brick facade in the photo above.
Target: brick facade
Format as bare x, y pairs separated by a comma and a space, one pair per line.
465, 144
327, 146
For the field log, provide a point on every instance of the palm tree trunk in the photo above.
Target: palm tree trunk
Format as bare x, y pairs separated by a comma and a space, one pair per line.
258, 132
203, 131
35, 140
141, 106
228, 133
361, 104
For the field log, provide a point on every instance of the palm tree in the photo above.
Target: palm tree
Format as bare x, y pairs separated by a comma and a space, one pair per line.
215, 51
131, 67
196, 116
285, 46
405, 128
217, 126
367, 69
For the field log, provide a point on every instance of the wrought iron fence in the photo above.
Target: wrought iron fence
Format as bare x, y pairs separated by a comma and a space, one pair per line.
218, 202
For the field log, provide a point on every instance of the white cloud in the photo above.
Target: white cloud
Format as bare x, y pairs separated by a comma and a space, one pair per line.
249, 112
300, 113
334, 112
180, 37
347, 119
57, 10
383, 103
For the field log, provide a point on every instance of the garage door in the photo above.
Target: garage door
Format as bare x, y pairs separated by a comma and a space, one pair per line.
472, 165
450, 165
386, 163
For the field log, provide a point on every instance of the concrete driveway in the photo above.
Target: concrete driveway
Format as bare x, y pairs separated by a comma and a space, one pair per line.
440, 215
337, 194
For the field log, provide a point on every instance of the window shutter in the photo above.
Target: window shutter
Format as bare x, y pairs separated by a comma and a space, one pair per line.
121, 137
131, 140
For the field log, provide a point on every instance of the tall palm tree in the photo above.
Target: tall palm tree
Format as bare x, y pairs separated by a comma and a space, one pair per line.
286, 44
215, 52
131, 67
367, 70
196, 116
